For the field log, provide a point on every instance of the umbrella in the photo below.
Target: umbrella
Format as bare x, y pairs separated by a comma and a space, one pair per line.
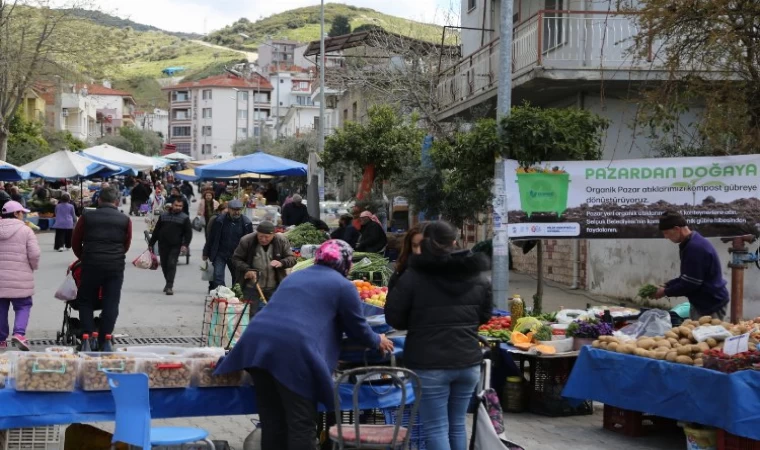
122, 170
177, 156
258, 162
65, 164
9, 172
110, 154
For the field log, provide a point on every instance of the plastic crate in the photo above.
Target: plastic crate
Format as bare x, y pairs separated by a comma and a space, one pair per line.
37, 438
633, 423
728, 441
548, 377
417, 440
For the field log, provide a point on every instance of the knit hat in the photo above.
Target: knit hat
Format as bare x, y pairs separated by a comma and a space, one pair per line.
335, 254
670, 220
235, 204
265, 227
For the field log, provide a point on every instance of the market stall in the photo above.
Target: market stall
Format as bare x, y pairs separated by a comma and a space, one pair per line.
110, 154
9, 172
258, 162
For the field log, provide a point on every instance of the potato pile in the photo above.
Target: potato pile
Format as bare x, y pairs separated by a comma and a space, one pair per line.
91, 373
678, 345
168, 372
46, 372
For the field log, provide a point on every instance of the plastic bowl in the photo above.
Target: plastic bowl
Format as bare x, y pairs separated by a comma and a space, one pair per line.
562, 346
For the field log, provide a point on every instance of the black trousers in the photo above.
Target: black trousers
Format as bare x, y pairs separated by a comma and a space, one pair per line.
62, 238
169, 257
93, 279
288, 421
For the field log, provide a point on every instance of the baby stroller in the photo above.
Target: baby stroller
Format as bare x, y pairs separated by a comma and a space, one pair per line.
71, 329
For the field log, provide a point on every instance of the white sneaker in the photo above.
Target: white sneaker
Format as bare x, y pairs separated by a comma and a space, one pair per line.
60, 250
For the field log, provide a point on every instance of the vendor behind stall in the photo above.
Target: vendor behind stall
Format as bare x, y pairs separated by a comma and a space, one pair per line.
701, 279
291, 347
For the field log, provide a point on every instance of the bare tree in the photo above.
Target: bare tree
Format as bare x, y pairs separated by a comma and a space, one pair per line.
38, 41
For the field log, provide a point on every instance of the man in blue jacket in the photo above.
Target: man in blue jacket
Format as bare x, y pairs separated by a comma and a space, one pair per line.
701, 279
224, 236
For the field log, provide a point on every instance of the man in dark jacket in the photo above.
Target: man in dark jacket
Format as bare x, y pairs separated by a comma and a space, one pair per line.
139, 196
701, 279
187, 190
101, 240
264, 257
346, 231
295, 212
225, 235
176, 194
173, 232
373, 238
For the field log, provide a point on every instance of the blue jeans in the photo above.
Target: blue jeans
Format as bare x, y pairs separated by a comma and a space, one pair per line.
220, 264
446, 395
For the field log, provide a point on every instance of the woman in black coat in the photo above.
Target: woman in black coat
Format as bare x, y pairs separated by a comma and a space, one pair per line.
442, 299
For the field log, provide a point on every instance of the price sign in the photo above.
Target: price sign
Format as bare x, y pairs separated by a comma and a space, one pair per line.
736, 344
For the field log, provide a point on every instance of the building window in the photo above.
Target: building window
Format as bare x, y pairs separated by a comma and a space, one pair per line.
316, 123
180, 96
181, 114
242, 114
206, 131
303, 100
471, 5
181, 131
261, 98
206, 149
354, 111
243, 132
206, 113
207, 94
242, 96
261, 115
184, 148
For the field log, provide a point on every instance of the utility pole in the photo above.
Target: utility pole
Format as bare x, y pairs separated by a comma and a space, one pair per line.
314, 188
500, 269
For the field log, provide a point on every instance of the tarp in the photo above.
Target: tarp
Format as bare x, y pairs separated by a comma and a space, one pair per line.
122, 169
110, 154
258, 162
624, 199
205, 162
690, 394
66, 165
177, 156
9, 172
189, 175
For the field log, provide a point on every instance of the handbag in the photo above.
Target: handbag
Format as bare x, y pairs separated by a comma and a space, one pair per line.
67, 291
197, 224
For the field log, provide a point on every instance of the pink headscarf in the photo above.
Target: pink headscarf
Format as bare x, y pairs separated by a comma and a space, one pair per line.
371, 216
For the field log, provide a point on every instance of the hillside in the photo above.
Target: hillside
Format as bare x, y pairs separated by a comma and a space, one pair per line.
302, 24
108, 20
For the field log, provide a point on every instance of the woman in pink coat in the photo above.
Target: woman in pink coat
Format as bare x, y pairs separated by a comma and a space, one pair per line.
19, 258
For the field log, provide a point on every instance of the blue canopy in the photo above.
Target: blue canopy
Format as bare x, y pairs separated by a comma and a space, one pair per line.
258, 162
120, 170
9, 172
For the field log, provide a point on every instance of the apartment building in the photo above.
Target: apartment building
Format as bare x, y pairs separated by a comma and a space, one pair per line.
277, 52
209, 116
114, 108
156, 120
68, 107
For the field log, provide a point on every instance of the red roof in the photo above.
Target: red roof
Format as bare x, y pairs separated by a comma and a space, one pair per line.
97, 89
224, 81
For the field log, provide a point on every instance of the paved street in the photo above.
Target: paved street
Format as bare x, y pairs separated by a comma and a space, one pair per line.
147, 312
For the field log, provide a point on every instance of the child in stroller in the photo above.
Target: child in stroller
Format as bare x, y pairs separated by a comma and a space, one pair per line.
71, 329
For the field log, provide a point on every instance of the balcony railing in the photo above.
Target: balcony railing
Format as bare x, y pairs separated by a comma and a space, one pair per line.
553, 40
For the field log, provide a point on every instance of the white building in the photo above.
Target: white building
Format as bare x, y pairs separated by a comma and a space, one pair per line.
69, 108
300, 120
156, 120
207, 117
292, 88
114, 108
277, 53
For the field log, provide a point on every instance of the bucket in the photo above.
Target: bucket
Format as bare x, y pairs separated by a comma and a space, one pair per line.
513, 395
700, 438
542, 192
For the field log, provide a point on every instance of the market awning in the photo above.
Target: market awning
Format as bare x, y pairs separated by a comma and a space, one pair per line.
9, 172
110, 154
67, 165
189, 175
205, 162
258, 162
177, 156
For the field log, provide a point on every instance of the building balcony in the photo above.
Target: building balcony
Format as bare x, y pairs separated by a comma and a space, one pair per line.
559, 45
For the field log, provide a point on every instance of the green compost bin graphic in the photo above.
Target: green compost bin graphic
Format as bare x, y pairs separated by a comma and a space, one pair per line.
543, 192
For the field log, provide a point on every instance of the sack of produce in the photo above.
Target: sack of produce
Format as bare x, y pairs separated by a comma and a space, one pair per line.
67, 291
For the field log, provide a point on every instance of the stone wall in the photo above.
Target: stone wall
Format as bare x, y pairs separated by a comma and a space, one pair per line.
558, 261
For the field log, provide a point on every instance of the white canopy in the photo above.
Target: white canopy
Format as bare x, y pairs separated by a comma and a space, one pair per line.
66, 164
108, 153
177, 156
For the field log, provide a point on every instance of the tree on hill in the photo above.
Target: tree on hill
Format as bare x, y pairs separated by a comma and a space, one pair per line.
340, 26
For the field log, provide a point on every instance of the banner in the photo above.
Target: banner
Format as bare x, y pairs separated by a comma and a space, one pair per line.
624, 199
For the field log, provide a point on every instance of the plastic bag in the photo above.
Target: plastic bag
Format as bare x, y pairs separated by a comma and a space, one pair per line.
208, 271
683, 310
67, 291
654, 322
706, 332
197, 224
154, 262
568, 316
222, 292
144, 261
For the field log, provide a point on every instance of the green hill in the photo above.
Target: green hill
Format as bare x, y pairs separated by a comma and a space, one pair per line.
108, 20
302, 24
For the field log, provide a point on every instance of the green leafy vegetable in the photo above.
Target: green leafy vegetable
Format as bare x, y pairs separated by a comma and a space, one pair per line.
647, 291
305, 234
543, 334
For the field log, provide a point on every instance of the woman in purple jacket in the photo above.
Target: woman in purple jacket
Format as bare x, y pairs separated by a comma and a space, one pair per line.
65, 219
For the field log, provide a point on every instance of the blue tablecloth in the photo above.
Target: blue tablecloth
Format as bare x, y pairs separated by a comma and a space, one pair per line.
686, 393
30, 409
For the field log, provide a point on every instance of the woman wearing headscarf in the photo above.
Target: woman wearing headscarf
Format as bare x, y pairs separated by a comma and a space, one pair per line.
291, 347
372, 237
442, 299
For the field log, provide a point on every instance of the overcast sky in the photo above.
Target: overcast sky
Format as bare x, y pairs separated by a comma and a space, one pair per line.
208, 15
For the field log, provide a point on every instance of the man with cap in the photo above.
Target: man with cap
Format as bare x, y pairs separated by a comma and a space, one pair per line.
295, 212
372, 238
263, 257
173, 232
225, 233
701, 279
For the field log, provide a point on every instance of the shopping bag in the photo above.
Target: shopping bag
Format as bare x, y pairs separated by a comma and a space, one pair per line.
144, 261
207, 271
197, 224
67, 291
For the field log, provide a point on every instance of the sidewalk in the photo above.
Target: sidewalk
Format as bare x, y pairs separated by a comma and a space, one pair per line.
556, 296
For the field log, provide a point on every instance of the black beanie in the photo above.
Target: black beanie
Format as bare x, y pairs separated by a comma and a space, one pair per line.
670, 220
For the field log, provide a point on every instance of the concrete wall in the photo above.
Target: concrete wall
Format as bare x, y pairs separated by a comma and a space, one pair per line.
558, 261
